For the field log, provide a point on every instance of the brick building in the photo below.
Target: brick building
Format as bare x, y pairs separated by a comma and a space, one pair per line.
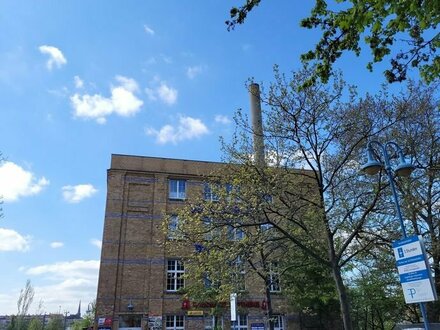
138, 280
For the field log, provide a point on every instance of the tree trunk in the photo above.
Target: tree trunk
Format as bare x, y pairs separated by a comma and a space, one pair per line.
343, 298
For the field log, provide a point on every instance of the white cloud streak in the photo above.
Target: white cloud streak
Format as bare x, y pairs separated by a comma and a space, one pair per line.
15, 182
56, 245
122, 102
163, 92
75, 194
222, 119
96, 242
149, 30
193, 71
10, 240
187, 129
69, 282
78, 82
56, 57
67, 269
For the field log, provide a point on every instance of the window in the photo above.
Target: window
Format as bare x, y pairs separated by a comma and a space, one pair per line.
266, 226
175, 272
239, 274
242, 322
207, 223
177, 189
268, 198
174, 322
129, 321
235, 234
279, 322
209, 283
210, 322
172, 226
274, 278
209, 192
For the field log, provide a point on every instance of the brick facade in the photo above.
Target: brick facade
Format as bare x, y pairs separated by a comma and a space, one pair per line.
132, 278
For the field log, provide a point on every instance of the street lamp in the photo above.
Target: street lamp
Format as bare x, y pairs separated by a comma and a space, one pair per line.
404, 169
373, 166
130, 306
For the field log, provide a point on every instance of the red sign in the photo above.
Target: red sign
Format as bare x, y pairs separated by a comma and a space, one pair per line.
186, 304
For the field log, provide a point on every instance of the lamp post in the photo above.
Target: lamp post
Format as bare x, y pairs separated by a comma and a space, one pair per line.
404, 169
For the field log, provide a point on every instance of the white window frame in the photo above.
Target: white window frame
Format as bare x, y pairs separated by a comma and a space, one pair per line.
266, 226
242, 322
175, 273
209, 192
279, 322
235, 233
274, 278
174, 320
179, 191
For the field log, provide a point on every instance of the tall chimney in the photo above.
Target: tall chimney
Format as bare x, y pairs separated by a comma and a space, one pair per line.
257, 124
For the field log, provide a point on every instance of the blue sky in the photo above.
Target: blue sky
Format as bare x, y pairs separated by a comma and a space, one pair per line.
80, 80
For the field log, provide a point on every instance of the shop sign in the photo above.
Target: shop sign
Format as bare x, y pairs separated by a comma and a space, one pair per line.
155, 322
104, 321
257, 326
195, 313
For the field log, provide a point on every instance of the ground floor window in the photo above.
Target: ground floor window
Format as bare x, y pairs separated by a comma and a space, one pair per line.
242, 322
210, 322
279, 322
129, 321
174, 322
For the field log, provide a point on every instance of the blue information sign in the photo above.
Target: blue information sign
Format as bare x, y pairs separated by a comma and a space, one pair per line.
414, 272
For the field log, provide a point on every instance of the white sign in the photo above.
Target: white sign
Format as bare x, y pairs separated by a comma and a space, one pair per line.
415, 275
233, 307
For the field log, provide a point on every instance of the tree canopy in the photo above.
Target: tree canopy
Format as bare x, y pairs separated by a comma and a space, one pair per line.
404, 31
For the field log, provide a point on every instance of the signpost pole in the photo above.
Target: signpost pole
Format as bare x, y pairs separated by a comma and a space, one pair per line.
402, 225
373, 166
233, 299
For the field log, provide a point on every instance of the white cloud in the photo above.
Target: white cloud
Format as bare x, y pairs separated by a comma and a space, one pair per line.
222, 119
149, 30
68, 283
163, 92
56, 245
122, 102
193, 71
56, 57
75, 194
151, 94
10, 240
96, 242
187, 129
15, 182
78, 82
167, 94
67, 269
